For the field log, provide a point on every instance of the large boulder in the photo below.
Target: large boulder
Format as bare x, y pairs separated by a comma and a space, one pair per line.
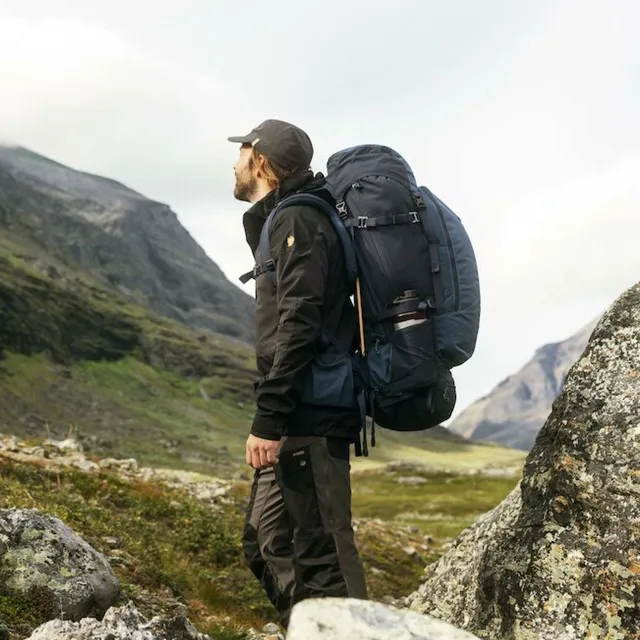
123, 623
42, 559
339, 618
560, 557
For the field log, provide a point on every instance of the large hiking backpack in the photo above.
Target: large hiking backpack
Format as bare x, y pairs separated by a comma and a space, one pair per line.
413, 271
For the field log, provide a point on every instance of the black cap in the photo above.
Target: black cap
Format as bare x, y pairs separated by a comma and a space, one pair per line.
284, 143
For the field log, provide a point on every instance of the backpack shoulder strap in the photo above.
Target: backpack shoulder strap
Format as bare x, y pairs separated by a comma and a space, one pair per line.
320, 204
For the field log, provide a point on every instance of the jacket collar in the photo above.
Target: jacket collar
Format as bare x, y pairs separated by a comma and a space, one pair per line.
254, 218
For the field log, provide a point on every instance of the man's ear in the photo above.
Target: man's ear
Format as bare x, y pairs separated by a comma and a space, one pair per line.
259, 165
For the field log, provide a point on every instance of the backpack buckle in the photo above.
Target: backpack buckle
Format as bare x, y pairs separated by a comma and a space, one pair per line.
362, 222
342, 209
269, 265
415, 217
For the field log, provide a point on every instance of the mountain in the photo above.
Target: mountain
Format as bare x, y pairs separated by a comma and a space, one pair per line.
128, 243
514, 412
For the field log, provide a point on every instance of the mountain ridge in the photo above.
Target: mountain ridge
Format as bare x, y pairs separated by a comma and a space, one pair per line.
513, 412
132, 244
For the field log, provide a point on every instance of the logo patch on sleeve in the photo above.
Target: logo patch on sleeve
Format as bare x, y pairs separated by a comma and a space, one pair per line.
290, 241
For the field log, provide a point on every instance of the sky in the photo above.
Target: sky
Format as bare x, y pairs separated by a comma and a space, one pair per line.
521, 116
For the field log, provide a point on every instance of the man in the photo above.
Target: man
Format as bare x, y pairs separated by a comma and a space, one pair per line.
298, 539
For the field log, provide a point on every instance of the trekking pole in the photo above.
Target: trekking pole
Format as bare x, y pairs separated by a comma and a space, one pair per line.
360, 320
362, 395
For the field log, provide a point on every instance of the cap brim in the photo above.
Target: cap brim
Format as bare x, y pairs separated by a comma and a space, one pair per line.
240, 139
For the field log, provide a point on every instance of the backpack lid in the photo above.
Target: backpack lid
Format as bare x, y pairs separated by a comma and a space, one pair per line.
347, 166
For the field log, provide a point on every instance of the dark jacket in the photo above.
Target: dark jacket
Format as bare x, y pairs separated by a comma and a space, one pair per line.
308, 301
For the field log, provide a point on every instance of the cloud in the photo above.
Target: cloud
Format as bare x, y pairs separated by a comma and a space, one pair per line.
92, 98
521, 116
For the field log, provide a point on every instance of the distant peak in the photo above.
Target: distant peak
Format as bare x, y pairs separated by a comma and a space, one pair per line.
17, 151
64, 177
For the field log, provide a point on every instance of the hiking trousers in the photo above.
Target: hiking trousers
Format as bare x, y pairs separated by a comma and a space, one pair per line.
298, 539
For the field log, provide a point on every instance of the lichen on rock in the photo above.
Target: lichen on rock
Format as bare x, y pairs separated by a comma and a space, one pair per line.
40, 553
122, 623
560, 557
338, 618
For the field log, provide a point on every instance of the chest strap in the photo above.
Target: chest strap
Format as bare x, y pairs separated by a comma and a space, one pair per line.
366, 222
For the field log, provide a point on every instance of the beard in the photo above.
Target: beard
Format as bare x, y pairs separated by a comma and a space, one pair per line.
246, 186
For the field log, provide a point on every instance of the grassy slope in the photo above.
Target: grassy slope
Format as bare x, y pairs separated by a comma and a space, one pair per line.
173, 548
128, 409
440, 507
77, 357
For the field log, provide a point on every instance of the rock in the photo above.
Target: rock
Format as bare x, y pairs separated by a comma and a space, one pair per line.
112, 541
78, 461
4, 632
38, 551
410, 551
271, 628
412, 480
38, 452
69, 445
124, 623
129, 465
401, 465
10, 444
560, 557
339, 618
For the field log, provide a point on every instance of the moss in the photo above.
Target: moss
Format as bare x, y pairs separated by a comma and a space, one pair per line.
389, 569
21, 613
172, 546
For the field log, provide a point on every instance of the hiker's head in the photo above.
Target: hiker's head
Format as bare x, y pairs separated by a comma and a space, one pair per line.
272, 152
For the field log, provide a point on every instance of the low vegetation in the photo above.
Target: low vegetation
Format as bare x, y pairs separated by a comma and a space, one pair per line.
166, 547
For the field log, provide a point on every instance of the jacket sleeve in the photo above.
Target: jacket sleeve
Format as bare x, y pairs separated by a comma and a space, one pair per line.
300, 254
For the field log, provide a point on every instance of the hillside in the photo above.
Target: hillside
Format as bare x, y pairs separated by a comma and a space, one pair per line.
76, 356
128, 243
514, 412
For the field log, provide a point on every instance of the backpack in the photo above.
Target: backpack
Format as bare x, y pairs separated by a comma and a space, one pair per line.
412, 270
